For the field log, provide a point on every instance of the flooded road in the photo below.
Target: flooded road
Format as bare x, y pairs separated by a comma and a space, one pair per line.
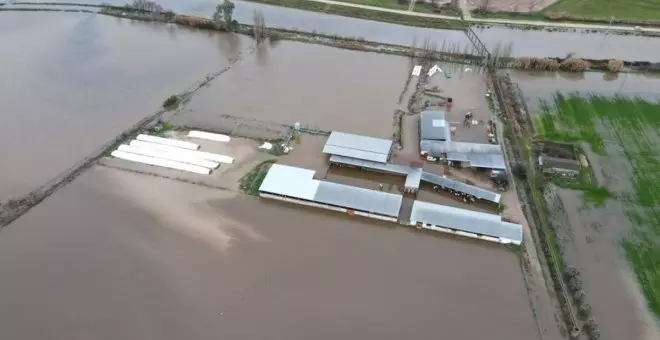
116, 255
529, 43
543, 85
73, 81
320, 87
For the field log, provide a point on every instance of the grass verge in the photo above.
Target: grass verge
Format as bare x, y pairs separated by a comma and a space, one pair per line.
251, 182
533, 16
620, 9
393, 18
634, 127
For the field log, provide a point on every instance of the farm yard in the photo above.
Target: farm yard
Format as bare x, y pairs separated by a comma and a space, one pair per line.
622, 134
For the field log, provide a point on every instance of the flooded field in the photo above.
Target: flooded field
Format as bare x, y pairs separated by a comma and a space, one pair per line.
74, 81
320, 87
544, 85
140, 257
613, 244
529, 43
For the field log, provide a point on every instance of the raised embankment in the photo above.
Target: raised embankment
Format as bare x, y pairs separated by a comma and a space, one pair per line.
532, 63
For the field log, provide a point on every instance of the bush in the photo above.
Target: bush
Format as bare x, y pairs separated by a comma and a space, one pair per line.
520, 171
584, 311
614, 65
543, 64
575, 65
171, 101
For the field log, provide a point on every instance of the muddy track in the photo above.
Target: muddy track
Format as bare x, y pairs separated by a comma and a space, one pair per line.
15, 208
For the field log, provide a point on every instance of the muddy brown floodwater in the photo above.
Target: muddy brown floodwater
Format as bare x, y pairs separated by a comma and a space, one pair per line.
318, 86
117, 255
72, 82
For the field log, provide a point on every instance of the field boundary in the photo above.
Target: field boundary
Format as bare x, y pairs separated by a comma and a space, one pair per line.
15, 208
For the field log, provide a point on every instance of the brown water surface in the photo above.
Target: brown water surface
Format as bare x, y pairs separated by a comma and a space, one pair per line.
318, 86
72, 82
117, 255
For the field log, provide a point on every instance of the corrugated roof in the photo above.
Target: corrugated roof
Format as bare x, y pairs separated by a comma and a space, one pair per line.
465, 220
462, 187
413, 178
479, 160
415, 175
359, 147
438, 147
300, 183
385, 167
478, 155
358, 198
290, 181
433, 126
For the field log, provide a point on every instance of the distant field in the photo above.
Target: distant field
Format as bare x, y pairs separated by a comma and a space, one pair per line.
634, 126
393, 4
620, 9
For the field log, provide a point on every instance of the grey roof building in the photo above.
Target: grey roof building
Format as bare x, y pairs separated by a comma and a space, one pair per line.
466, 221
449, 183
477, 155
434, 126
358, 147
299, 183
415, 175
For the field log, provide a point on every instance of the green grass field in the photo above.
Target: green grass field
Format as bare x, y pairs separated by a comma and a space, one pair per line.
620, 9
367, 14
634, 125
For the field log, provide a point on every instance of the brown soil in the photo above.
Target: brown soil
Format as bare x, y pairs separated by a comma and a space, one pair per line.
157, 259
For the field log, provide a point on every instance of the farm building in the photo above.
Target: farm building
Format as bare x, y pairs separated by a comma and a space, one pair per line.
435, 142
559, 165
465, 223
414, 175
433, 126
358, 147
297, 185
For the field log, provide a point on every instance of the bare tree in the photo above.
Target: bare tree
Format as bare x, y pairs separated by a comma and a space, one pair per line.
531, 4
481, 5
146, 5
258, 26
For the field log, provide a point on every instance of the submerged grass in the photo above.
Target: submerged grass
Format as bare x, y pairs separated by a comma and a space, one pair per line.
251, 182
634, 125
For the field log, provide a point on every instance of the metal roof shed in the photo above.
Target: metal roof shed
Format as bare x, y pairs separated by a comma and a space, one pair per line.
358, 198
465, 220
359, 147
433, 126
462, 187
290, 181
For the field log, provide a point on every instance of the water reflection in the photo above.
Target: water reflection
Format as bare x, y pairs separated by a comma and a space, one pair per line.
531, 43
